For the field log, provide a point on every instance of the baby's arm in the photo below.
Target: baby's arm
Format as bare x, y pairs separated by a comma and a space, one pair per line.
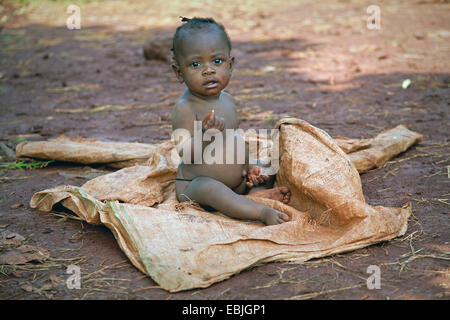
254, 170
183, 129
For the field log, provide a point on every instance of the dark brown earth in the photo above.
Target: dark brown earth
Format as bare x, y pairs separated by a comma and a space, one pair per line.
313, 60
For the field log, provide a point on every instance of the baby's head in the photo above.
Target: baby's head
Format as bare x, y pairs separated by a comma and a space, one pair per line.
201, 49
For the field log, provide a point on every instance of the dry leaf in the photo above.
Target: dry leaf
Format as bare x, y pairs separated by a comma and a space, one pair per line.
55, 280
47, 286
8, 238
24, 254
27, 288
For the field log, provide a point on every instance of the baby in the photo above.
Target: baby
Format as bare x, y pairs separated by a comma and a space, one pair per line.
201, 50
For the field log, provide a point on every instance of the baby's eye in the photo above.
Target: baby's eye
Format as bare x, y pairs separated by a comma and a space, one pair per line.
218, 61
195, 64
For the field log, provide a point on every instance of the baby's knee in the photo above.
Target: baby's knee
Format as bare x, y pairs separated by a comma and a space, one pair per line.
204, 184
203, 189
195, 190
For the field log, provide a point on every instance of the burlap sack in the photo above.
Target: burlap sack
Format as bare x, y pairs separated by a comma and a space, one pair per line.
384, 147
87, 151
182, 246
370, 152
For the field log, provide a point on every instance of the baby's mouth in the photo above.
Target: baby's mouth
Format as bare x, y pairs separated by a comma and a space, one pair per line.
210, 84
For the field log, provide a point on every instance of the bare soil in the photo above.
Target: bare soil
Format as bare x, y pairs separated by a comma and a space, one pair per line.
313, 60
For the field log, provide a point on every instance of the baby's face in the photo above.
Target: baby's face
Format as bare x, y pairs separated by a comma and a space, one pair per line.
204, 62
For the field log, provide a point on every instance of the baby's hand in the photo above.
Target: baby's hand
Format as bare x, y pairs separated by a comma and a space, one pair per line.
255, 178
213, 122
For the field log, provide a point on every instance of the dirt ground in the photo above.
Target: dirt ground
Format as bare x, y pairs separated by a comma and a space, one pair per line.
317, 61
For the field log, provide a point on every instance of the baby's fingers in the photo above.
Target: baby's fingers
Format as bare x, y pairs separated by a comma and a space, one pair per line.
219, 123
222, 125
255, 180
208, 121
255, 170
212, 119
209, 116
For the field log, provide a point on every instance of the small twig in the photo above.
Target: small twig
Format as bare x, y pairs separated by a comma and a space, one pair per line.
316, 294
393, 172
146, 288
102, 269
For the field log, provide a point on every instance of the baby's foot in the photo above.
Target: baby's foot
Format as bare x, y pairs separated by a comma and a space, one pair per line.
271, 216
279, 193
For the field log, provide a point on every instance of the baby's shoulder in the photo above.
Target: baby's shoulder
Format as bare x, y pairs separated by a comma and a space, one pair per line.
227, 97
182, 110
228, 101
183, 105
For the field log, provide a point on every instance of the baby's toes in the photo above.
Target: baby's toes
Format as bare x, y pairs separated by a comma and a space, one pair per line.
287, 197
286, 194
283, 217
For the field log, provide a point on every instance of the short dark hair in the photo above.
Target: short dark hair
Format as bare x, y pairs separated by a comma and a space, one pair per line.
197, 24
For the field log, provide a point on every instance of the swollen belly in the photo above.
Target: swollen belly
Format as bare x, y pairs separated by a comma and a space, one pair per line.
229, 174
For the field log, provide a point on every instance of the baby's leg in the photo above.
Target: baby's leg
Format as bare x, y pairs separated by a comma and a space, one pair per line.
215, 194
278, 193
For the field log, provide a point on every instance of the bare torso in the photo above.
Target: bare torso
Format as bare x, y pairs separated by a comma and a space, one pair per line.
231, 174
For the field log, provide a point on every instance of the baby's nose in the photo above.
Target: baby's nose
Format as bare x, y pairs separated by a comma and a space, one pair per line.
209, 69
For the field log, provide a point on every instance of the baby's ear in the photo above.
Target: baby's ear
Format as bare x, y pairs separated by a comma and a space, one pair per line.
176, 69
231, 62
